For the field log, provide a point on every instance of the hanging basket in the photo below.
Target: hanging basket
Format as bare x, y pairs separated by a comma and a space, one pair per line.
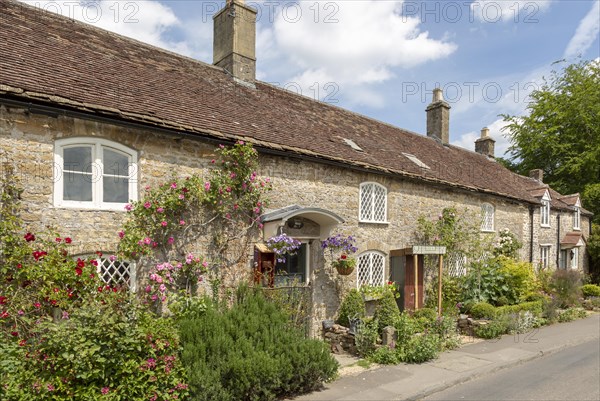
344, 270
345, 267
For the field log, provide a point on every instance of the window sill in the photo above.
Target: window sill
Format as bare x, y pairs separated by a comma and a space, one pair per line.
102, 208
374, 222
577, 229
545, 225
488, 231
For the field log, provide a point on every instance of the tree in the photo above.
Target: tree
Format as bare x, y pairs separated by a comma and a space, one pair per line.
561, 134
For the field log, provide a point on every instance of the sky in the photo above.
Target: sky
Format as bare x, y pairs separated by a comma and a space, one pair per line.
383, 58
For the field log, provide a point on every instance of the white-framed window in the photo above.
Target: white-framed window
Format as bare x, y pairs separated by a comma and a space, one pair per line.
544, 256
373, 203
487, 217
545, 211
94, 173
574, 258
576, 219
371, 269
119, 273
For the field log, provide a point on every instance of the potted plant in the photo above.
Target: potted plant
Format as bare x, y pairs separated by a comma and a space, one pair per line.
283, 245
344, 265
340, 247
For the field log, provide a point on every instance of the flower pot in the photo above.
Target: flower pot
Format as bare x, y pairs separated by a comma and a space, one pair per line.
344, 270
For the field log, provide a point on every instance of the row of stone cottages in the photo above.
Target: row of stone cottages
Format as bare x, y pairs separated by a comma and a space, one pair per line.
69, 90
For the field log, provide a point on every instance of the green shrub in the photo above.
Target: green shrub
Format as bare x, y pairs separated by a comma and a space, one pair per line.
493, 329
483, 310
445, 327
591, 290
386, 356
520, 279
251, 352
353, 307
566, 287
535, 308
387, 311
427, 313
406, 327
366, 337
113, 350
571, 314
421, 348
451, 294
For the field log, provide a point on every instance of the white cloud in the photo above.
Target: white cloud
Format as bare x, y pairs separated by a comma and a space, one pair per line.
146, 21
586, 33
508, 10
369, 40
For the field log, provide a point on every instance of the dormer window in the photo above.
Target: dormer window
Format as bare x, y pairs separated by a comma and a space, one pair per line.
545, 211
577, 216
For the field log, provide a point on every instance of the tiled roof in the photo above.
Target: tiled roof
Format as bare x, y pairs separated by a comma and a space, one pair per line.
570, 200
571, 239
52, 59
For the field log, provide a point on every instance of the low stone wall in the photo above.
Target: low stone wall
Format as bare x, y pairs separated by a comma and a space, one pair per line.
340, 339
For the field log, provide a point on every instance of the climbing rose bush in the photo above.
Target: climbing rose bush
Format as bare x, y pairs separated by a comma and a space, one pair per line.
232, 194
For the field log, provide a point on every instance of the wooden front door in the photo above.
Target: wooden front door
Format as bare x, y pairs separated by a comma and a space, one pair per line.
409, 283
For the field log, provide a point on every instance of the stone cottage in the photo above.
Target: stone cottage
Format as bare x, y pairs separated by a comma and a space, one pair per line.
73, 95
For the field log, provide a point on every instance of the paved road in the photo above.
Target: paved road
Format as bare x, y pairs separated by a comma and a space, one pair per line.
571, 374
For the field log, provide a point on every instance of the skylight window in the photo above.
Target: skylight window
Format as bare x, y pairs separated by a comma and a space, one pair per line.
352, 144
416, 160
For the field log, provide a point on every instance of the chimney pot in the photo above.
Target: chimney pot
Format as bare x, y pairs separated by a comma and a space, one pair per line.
485, 145
537, 174
438, 118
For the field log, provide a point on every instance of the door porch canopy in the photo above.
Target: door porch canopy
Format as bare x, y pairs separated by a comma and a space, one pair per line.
275, 220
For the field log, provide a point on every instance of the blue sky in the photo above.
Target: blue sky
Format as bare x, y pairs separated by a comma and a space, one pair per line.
383, 58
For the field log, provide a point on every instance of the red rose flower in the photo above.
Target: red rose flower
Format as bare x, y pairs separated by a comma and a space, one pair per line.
343, 257
99, 254
80, 263
78, 271
68, 240
3, 300
29, 237
94, 262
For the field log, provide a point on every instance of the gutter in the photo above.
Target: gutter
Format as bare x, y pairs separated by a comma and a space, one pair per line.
531, 211
558, 241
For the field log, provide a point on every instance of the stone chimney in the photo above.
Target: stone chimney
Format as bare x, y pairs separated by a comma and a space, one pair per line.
438, 118
538, 174
485, 144
234, 41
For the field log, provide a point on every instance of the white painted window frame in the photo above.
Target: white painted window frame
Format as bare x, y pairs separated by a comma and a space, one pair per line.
97, 144
574, 259
545, 256
545, 211
370, 255
372, 202
577, 216
488, 209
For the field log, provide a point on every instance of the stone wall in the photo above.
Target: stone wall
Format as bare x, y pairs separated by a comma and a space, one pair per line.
27, 142
337, 189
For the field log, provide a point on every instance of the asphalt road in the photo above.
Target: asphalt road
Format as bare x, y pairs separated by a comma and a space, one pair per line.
571, 374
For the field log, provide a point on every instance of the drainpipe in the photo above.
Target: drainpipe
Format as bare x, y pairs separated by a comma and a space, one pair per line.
531, 211
558, 241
